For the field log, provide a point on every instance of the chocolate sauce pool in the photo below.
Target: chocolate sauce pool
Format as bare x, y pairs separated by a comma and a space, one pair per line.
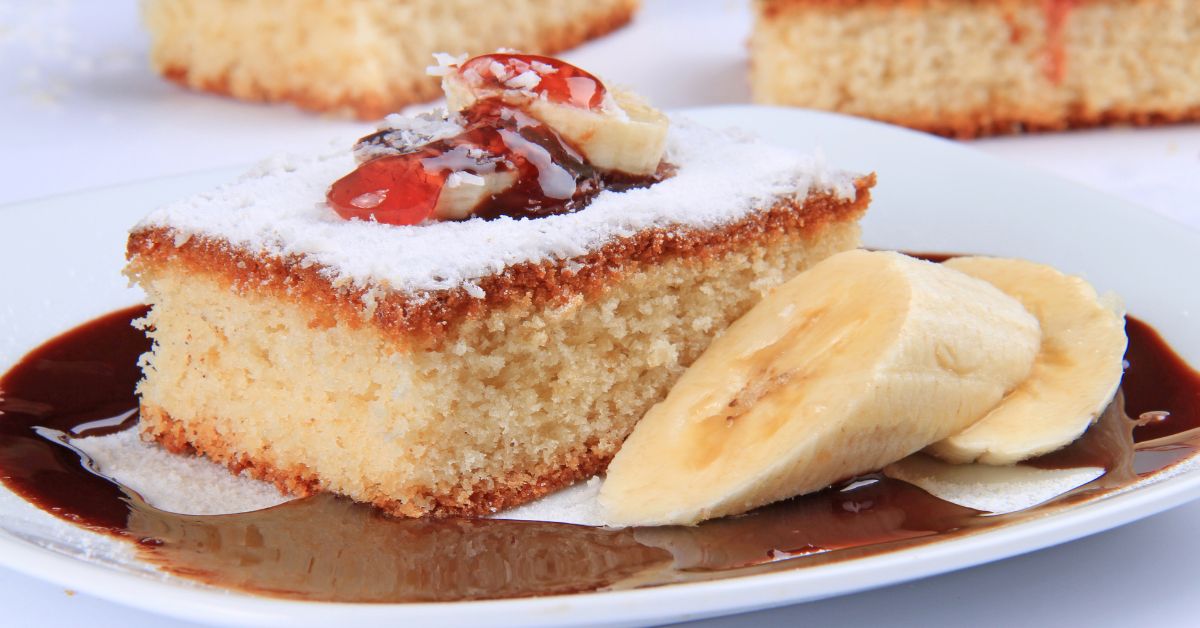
328, 548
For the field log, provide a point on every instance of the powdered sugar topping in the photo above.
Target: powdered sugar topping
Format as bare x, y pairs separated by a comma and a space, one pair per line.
277, 210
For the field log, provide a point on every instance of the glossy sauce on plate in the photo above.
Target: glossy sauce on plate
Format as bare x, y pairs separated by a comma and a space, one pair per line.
330, 549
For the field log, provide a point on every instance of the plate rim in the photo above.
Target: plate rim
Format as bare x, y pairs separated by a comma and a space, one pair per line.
181, 599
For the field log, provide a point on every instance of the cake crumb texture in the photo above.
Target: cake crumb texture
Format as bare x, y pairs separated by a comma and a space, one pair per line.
366, 58
512, 403
982, 67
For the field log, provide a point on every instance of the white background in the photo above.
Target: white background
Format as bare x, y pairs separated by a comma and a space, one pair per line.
79, 108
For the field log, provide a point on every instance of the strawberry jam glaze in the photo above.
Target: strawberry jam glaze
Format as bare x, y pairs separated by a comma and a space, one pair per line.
562, 83
1057, 12
552, 177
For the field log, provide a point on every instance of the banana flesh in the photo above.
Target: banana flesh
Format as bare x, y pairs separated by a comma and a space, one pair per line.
1075, 375
632, 141
459, 200
626, 135
860, 361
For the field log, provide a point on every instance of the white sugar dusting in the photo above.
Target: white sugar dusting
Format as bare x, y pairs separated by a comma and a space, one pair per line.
181, 484
196, 486
575, 504
992, 489
157, 474
278, 209
193, 485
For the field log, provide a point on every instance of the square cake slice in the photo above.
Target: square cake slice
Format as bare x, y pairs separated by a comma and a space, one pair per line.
458, 368
981, 67
365, 58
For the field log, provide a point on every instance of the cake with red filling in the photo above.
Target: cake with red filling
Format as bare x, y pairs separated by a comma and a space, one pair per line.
966, 68
473, 307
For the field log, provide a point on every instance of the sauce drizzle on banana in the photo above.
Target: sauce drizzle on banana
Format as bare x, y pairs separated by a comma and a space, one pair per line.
525, 136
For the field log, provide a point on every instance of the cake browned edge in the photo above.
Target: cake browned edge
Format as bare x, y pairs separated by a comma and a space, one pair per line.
983, 123
426, 322
376, 105
425, 319
976, 123
299, 481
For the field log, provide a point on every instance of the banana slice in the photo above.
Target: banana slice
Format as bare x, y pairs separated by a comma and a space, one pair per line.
464, 191
1074, 378
631, 139
854, 364
625, 134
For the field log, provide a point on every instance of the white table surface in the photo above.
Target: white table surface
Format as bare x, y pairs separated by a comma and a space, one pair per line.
80, 108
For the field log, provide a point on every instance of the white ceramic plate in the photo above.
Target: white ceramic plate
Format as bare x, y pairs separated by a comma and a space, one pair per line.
62, 259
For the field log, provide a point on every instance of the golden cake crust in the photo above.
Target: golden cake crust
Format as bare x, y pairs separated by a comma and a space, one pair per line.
424, 322
985, 123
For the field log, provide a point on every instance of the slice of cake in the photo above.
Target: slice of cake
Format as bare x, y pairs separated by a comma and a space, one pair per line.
475, 307
979, 67
363, 57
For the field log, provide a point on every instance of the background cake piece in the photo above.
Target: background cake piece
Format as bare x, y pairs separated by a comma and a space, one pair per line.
965, 68
363, 57
460, 367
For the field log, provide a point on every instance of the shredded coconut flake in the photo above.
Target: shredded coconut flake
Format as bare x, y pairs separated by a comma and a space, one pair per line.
403, 133
460, 177
499, 71
526, 80
474, 290
446, 63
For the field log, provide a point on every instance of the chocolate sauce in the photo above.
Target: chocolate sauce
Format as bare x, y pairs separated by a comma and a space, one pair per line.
539, 157
81, 377
328, 548
1157, 375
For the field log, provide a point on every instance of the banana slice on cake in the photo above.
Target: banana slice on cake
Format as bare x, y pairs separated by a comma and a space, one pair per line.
1075, 376
630, 137
464, 191
622, 133
856, 363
